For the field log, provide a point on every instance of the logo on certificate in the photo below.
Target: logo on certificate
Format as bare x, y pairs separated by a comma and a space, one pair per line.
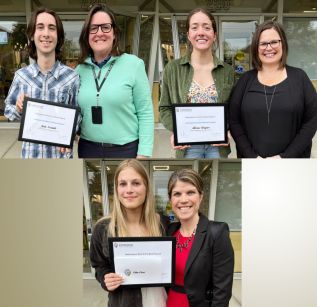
127, 272
115, 244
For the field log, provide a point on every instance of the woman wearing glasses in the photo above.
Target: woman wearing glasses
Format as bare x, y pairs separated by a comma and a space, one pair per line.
114, 94
273, 108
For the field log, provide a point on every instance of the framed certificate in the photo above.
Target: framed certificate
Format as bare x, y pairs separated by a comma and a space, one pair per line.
144, 261
48, 123
200, 123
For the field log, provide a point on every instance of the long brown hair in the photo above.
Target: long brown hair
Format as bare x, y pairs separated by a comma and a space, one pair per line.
117, 225
31, 30
85, 49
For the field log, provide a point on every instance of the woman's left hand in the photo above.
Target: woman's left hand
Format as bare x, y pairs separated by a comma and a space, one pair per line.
224, 144
113, 281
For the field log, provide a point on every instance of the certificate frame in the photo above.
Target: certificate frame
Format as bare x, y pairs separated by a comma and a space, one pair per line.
27, 117
118, 240
222, 108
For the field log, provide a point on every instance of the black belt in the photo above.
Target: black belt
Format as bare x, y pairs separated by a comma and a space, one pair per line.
179, 289
106, 145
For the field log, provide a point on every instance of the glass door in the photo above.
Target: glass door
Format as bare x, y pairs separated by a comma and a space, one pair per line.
13, 54
93, 205
228, 204
235, 35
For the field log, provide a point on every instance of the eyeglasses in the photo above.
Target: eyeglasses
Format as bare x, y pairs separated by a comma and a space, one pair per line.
105, 28
274, 44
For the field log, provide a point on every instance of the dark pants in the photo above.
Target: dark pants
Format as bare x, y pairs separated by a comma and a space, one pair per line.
88, 149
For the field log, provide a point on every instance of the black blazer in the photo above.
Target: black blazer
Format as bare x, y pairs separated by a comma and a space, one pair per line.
209, 269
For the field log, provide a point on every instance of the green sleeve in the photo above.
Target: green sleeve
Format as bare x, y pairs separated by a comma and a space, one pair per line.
144, 109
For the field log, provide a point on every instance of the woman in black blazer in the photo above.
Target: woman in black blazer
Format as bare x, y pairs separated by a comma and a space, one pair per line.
204, 254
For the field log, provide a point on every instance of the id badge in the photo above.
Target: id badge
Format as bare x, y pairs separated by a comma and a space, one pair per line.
96, 114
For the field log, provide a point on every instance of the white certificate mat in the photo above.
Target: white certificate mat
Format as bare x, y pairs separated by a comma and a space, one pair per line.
48, 123
199, 123
147, 261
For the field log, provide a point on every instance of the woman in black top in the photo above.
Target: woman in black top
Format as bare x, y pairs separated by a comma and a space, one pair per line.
273, 108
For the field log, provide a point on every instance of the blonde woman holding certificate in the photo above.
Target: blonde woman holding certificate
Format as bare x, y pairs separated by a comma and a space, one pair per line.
133, 215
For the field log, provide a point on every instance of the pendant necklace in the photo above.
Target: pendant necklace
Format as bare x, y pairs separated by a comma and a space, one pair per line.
268, 105
180, 246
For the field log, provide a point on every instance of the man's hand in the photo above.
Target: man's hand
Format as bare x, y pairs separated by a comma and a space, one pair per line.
19, 103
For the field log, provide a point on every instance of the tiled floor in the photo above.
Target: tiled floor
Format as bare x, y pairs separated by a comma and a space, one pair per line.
95, 296
10, 147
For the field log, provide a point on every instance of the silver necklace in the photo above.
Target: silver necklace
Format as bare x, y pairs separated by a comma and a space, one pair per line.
268, 105
180, 246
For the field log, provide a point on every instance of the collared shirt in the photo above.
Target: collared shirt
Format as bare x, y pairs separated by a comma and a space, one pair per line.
102, 63
60, 84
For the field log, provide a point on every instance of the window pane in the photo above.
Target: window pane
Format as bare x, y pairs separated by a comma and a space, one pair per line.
95, 191
166, 39
205, 171
126, 24
228, 202
302, 40
236, 42
12, 6
221, 6
71, 48
303, 6
110, 171
146, 39
228, 205
131, 6
13, 54
64, 6
182, 35
86, 260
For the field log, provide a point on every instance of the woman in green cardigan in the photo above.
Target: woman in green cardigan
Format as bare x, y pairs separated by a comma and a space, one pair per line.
199, 77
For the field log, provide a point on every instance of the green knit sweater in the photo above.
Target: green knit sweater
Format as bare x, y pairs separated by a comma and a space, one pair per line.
125, 98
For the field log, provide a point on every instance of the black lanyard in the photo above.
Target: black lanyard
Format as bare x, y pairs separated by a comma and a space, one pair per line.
98, 87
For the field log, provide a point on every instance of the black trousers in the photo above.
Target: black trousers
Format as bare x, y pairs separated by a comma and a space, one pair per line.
91, 150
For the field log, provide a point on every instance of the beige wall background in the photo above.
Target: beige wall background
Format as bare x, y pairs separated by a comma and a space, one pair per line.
279, 245
40, 233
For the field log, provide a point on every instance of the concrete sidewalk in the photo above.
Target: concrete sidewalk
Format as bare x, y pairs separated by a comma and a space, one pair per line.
10, 147
95, 296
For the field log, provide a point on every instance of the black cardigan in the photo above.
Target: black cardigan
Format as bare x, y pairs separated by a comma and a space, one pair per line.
301, 91
208, 272
100, 261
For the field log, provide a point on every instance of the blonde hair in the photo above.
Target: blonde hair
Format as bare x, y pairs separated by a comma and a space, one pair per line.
117, 225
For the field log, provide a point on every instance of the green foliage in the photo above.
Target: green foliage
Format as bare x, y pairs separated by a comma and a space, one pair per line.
18, 39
